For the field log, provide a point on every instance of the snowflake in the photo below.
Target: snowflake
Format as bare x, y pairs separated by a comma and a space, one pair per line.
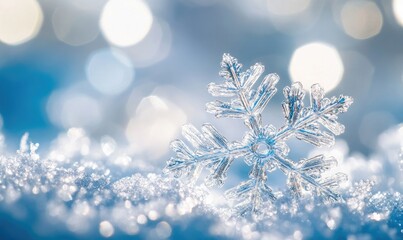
264, 147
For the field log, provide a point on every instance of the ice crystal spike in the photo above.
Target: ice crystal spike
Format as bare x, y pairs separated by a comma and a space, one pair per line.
264, 147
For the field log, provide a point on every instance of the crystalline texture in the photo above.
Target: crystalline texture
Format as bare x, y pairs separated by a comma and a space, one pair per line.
264, 147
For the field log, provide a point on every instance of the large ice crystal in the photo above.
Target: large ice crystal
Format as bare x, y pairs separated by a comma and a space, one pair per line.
264, 147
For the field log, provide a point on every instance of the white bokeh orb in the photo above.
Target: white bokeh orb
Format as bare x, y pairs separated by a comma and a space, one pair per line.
316, 63
20, 21
125, 22
361, 19
109, 71
397, 7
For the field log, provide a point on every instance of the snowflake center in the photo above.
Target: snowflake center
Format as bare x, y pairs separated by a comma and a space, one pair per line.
262, 149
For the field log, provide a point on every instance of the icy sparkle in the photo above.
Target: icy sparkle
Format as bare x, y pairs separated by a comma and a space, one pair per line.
264, 147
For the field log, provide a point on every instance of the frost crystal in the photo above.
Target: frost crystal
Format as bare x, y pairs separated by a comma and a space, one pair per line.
264, 147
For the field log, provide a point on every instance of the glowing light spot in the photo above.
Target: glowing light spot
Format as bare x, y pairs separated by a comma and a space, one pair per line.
287, 7
106, 229
156, 122
75, 26
128, 204
361, 19
35, 190
331, 224
108, 145
141, 219
153, 215
125, 22
20, 20
170, 210
163, 230
298, 235
397, 6
316, 63
109, 71
378, 216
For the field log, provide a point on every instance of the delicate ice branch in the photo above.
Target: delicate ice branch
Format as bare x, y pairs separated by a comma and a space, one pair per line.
212, 151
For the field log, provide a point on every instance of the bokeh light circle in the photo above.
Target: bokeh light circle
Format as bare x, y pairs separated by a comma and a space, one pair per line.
316, 63
361, 19
125, 22
106, 229
109, 71
20, 20
397, 6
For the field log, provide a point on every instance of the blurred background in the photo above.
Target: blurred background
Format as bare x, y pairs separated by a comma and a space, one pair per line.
130, 73
135, 71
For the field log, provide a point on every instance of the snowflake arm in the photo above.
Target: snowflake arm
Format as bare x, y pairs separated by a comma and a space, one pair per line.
212, 151
253, 193
308, 174
249, 103
303, 122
